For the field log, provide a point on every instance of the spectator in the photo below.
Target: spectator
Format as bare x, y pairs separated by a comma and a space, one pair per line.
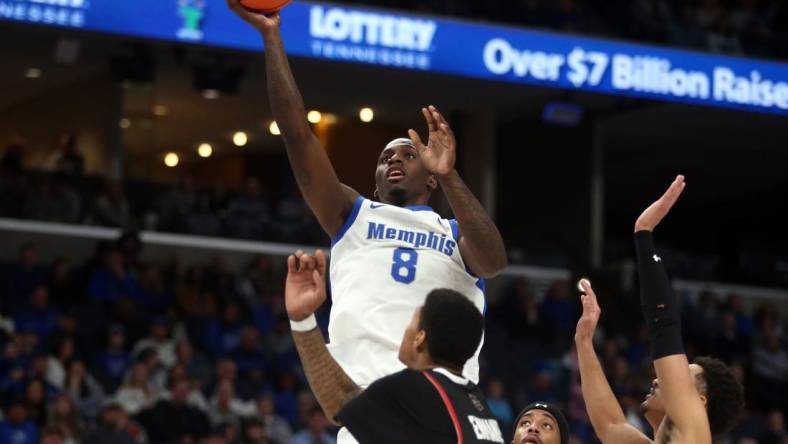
223, 336
176, 205
745, 326
499, 405
64, 417
112, 363
195, 398
153, 299
69, 161
111, 209
254, 432
112, 281
249, 357
160, 339
65, 203
115, 427
16, 428
226, 408
23, 278
286, 397
63, 288
770, 367
41, 318
196, 367
36, 400
137, 393
316, 431
83, 389
56, 365
728, 345
249, 216
276, 428
173, 420
53, 435
558, 313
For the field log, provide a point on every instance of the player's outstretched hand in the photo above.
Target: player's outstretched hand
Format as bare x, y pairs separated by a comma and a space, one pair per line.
261, 22
305, 287
654, 214
440, 153
591, 312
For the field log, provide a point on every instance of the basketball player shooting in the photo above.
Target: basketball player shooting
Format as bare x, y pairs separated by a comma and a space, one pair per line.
430, 401
688, 404
386, 254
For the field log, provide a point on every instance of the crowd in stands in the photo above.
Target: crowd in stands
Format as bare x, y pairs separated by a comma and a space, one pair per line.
757, 27
117, 350
64, 194
120, 351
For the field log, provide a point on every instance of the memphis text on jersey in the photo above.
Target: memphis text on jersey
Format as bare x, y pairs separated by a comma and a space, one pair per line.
428, 239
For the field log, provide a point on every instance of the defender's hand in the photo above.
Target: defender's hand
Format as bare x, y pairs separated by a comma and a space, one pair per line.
439, 155
586, 326
305, 287
659, 209
263, 23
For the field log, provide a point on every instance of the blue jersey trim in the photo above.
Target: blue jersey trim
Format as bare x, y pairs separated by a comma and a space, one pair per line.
455, 230
349, 222
480, 282
419, 208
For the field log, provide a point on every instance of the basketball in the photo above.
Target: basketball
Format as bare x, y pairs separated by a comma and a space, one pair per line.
265, 6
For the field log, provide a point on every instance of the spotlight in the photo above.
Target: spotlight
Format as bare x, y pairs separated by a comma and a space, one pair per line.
274, 129
314, 117
171, 160
240, 138
366, 115
205, 150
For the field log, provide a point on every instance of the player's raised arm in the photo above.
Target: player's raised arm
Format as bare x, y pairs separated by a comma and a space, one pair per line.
305, 292
327, 197
607, 417
481, 244
662, 312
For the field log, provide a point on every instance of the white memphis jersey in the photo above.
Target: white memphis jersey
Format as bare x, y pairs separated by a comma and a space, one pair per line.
384, 262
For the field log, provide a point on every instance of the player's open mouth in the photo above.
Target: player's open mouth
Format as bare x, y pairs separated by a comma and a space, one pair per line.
531, 439
395, 173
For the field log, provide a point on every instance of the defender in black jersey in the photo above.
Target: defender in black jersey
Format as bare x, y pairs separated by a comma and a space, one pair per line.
430, 402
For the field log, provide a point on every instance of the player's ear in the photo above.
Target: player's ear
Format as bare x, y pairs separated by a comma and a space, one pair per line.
375, 193
704, 400
420, 341
432, 183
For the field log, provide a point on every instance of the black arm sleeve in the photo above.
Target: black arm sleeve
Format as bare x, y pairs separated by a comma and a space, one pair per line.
660, 306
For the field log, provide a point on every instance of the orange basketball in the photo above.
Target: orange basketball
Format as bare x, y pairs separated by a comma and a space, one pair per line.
265, 6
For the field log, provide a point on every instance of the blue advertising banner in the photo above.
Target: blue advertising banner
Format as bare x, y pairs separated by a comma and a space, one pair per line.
376, 37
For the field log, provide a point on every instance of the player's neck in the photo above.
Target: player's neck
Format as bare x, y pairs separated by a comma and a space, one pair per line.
432, 365
405, 201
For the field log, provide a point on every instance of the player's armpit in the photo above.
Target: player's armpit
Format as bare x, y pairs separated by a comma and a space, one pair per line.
624, 434
332, 387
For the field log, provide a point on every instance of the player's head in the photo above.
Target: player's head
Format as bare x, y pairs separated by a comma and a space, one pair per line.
541, 423
717, 387
445, 331
400, 177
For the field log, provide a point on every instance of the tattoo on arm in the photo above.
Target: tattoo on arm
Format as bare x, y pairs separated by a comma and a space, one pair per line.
331, 385
486, 253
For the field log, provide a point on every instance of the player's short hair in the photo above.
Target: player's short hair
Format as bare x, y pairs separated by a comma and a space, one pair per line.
724, 395
453, 325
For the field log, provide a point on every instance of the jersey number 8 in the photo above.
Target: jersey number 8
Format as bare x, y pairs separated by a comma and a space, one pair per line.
404, 267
